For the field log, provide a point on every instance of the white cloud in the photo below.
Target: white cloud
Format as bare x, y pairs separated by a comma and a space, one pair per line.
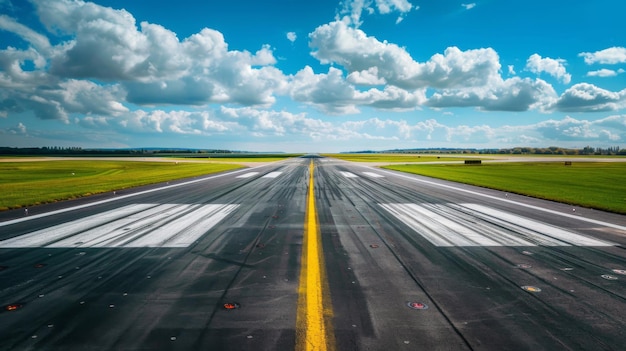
514, 94
150, 63
609, 56
585, 97
38, 41
356, 52
611, 128
469, 6
554, 67
333, 94
605, 73
354, 9
512, 70
292, 36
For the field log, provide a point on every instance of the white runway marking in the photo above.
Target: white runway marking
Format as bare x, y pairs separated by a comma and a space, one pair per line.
452, 225
248, 175
349, 175
140, 225
475, 193
272, 174
373, 175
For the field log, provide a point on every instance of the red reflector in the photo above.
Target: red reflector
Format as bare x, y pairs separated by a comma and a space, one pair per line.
13, 307
417, 305
231, 305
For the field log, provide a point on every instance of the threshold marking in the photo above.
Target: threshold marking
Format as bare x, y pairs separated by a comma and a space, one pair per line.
314, 313
476, 225
373, 175
475, 193
116, 198
349, 175
138, 225
272, 175
248, 175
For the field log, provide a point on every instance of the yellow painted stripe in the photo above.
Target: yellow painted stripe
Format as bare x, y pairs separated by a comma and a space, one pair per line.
313, 324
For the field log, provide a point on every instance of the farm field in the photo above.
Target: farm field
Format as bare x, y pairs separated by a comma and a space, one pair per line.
27, 183
599, 185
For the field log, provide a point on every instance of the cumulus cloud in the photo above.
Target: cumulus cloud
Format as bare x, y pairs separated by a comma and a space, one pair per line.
612, 129
469, 6
511, 69
38, 41
585, 97
514, 94
605, 73
351, 48
145, 65
608, 56
353, 9
554, 67
332, 93
292, 36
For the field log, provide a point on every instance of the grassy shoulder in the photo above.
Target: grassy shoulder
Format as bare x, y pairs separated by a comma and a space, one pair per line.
394, 157
32, 183
588, 184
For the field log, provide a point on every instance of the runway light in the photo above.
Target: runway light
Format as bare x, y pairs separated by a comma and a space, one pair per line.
417, 305
13, 307
609, 277
374, 246
231, 306
531, 288
40, 265
523, 266
616, 271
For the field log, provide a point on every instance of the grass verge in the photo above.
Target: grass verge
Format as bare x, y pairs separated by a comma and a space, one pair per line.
393, 157
32, 183
587, 184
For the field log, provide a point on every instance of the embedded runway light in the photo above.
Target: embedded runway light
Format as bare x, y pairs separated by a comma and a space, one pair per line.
616, 271
231, 306
13, 307
417, 305
523, 266
531, 288
40, 265
609, 277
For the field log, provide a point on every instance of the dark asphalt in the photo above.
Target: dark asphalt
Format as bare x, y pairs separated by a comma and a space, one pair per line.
82, 297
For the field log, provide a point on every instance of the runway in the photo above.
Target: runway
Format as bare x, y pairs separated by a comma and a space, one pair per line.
223, 262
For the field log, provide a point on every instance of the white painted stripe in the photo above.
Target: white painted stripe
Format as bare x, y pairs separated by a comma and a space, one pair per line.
588, 220
373, 175
140, 225
537, 230
452, 225
437, 229
272, 174
349, 175
51, 213
248, 175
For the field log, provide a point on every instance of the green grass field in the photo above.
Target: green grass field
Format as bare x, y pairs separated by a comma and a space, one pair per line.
31, 183
588, 184
393, 157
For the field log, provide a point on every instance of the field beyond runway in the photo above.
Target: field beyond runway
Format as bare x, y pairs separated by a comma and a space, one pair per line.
216, 263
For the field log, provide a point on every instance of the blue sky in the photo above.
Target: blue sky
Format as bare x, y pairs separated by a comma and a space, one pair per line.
303, 76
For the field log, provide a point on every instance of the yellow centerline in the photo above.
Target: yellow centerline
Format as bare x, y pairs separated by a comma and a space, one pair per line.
313, 324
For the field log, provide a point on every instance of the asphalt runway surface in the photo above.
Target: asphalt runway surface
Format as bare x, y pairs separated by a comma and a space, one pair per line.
406, 263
